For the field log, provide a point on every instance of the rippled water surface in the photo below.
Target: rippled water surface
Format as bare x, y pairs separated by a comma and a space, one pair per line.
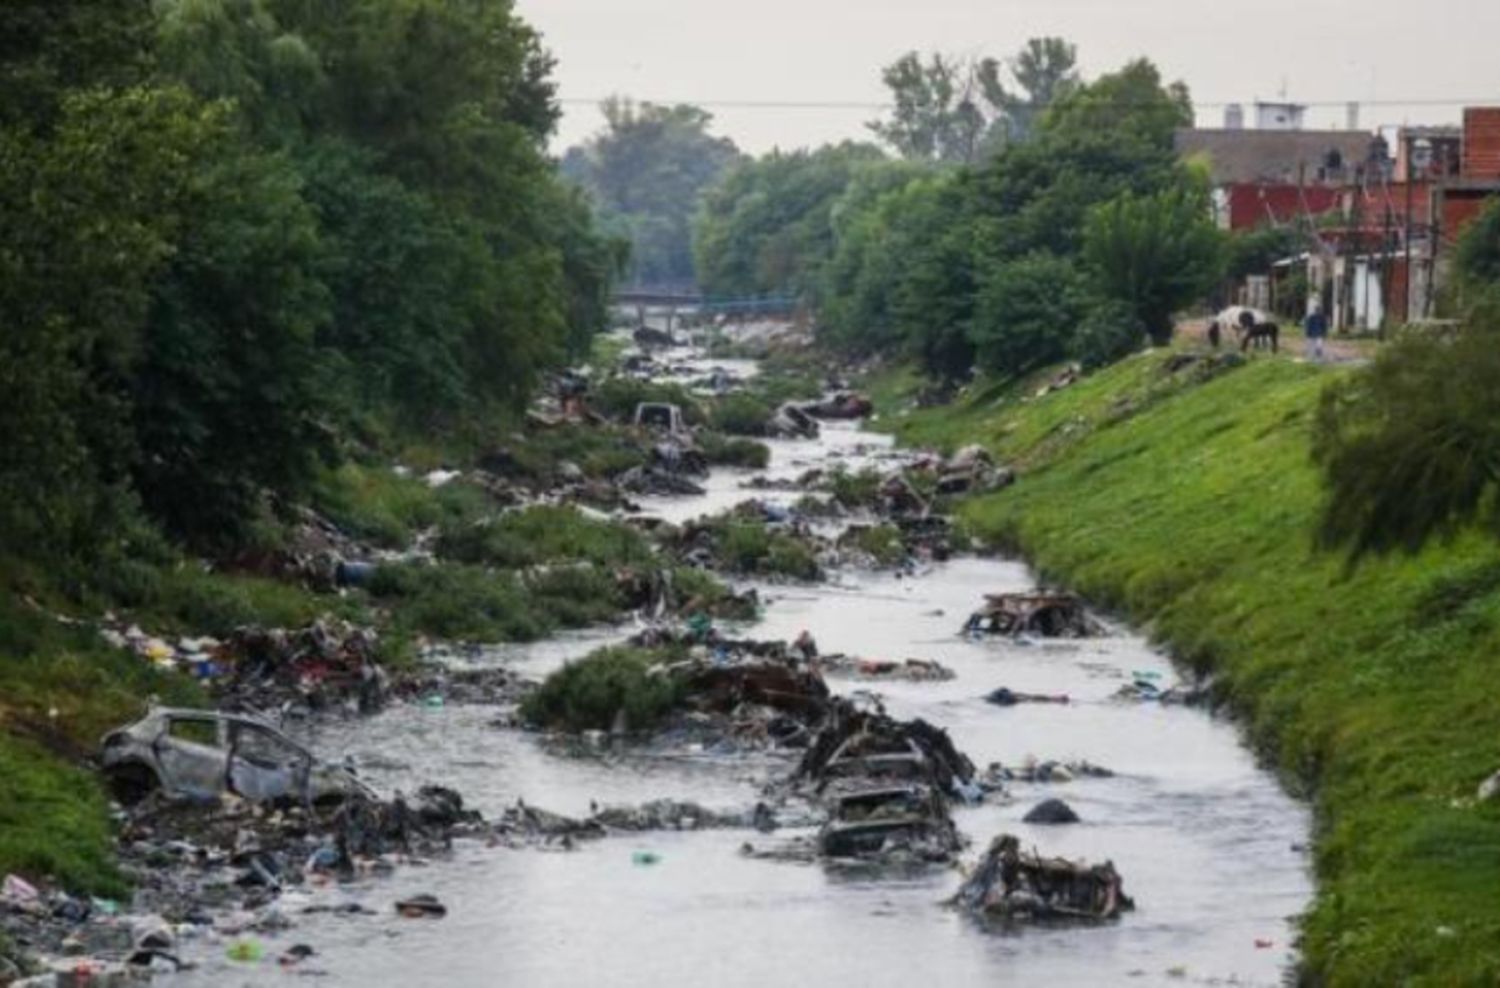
1204, 839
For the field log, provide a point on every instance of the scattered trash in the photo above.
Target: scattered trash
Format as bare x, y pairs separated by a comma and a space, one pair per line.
422, 906
841, 405
645, 858
295, 954
17, 893
245, 951
1004, 696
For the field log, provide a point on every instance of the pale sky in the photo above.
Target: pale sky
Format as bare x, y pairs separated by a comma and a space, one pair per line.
831, 51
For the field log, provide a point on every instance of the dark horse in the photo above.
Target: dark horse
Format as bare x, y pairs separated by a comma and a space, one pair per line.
1258, 333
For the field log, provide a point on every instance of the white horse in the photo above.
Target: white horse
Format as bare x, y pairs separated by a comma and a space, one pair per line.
1237, 319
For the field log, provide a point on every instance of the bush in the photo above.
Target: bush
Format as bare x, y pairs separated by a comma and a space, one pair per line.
753, 547
617, 398
1028, 312
696, 591
734, 452
459, 602
541, 534
1110, 331
741, 415
589, 694
882, 543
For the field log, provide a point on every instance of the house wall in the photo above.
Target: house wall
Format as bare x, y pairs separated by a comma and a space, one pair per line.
1481, 142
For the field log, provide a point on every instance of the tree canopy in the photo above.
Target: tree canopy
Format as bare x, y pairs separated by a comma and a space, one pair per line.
237, 234
957, 109
646, 171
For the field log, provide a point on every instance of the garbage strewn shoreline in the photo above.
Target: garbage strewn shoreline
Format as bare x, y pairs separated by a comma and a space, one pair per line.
880, 791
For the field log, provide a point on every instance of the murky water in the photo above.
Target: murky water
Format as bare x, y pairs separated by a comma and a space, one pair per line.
1204, 839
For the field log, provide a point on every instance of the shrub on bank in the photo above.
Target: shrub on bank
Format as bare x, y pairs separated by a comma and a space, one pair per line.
741, 415
606, 687
541, 534
733, 451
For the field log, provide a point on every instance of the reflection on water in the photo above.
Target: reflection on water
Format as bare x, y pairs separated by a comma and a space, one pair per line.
1203, 838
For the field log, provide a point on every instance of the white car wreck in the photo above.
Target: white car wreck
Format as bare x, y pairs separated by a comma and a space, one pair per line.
204, 753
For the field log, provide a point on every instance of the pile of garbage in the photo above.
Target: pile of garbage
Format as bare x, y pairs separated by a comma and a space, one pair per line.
840, 405
1044, 614
1033, 770
971, 470
907, 670
1012, 885
326, 665
217, 865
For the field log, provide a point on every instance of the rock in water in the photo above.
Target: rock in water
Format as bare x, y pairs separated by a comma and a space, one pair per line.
1051, 811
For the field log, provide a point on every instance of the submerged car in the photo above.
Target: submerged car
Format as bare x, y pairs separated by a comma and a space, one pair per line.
203, 753
872, 820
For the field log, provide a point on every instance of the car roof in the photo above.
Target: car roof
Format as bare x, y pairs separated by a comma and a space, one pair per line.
192, 713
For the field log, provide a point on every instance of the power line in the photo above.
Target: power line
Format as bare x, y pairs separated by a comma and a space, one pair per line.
745, 104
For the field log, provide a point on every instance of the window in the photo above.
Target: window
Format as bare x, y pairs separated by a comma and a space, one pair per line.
194, 730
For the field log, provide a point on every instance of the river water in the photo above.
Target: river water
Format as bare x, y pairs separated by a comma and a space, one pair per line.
1207, 842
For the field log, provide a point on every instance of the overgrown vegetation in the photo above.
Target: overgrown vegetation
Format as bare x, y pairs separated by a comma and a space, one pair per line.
541, 534
1411, 445
751, 547
1071, 230
613, 686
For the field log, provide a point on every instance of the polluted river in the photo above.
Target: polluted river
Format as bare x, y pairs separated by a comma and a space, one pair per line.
1208, 845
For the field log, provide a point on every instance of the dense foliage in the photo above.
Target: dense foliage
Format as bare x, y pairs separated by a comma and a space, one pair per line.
766, 229
645, 172
955, 109
1077, 241
234, 233
1410, 446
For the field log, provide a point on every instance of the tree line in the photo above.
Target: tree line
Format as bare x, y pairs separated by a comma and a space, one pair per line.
239, 238
1019, 222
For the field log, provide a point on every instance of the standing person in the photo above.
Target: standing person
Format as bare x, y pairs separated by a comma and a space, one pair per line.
1316, 328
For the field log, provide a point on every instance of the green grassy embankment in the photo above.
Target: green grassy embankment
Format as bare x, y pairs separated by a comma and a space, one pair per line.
1189, 504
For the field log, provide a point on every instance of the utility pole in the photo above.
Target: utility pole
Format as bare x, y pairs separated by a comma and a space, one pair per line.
1406, 237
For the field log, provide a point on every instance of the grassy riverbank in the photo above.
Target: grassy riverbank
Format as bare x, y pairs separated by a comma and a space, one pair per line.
1188, 502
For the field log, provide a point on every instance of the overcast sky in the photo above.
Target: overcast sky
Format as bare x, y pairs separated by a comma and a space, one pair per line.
831, 51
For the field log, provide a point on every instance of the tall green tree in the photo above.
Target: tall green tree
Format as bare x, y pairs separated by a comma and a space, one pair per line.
956, 109
646, 171
1155, 253
767, 227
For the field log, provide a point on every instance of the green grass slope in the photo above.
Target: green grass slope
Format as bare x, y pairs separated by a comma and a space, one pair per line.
1189, 503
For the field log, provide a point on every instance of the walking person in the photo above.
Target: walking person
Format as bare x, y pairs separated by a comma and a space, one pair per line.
1316, 328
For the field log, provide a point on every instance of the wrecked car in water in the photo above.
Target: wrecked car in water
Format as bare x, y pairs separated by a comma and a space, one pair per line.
1012, 885
870, 821
859, 744
203, 753
1048, 615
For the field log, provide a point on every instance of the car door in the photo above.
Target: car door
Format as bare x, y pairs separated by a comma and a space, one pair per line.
191, 754
264, 765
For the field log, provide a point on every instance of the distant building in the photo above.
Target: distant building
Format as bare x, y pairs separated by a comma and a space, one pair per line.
1286, 157
1279, 116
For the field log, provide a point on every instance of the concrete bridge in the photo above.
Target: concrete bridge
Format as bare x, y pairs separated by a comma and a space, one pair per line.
672, 301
